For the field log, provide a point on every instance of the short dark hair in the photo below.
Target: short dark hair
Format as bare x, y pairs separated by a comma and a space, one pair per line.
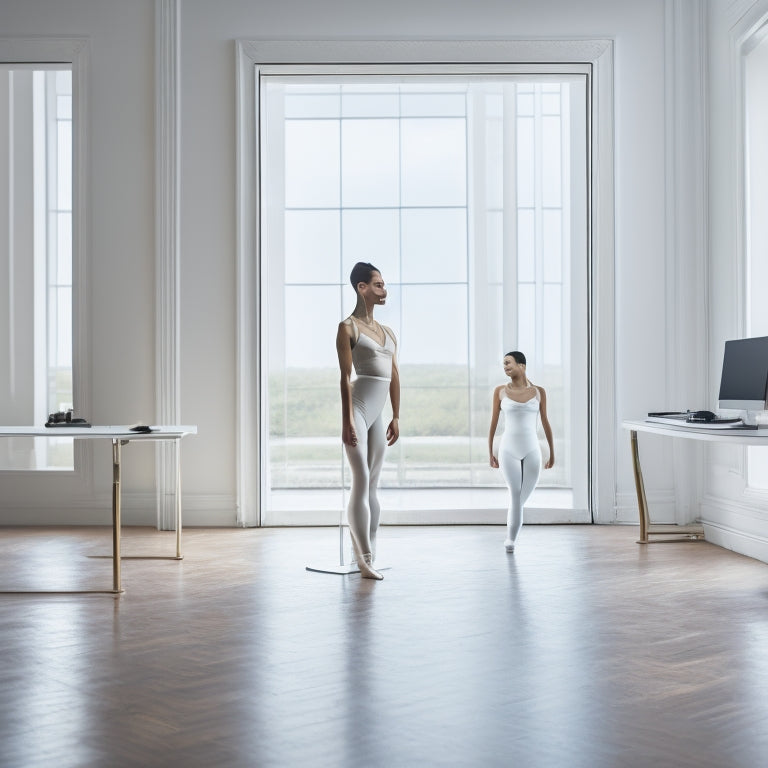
518, 356
362, 272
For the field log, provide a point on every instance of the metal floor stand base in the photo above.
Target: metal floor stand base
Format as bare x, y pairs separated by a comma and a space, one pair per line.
139, 557
343, 570
112, 592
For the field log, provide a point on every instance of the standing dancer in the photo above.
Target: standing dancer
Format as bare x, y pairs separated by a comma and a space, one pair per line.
370, 348
519, 452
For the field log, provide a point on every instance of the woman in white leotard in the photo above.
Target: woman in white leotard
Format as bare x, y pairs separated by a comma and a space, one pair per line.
519, 453
369, 348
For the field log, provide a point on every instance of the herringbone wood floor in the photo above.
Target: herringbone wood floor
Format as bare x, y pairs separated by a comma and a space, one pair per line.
582, 649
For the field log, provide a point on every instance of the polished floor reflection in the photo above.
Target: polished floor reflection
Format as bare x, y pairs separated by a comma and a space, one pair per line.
581, 649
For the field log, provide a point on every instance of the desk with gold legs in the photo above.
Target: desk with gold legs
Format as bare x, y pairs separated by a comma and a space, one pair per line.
119, 436
731, 436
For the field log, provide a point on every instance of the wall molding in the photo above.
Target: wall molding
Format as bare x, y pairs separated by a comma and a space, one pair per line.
737, 10
378, 52
662, 506
485, 56
603, 416
167, 250
686, 234
248, 469
749, 544
750, 505
138, 509
737, 524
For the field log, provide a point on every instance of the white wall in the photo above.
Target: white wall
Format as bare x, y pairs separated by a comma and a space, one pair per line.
121, 220
734, 516
16, 206
120, 249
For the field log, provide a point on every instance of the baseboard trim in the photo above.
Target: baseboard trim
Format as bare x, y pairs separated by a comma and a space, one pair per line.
137, 509
748, 544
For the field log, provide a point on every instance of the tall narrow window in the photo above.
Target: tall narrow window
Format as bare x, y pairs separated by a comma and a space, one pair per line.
463, 191
36, 259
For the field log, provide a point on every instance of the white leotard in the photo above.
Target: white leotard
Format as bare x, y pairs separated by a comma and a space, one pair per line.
369, 358
373, 365
520, 419
519, 456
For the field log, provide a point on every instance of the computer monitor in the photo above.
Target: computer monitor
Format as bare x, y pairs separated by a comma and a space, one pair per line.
744, 380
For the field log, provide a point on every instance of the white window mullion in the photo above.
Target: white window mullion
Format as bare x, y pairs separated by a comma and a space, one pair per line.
510, 217
566, 228
39, 250
273, 273
537, 353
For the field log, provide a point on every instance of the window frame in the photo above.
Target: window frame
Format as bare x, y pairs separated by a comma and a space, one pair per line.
425, 57
473, 483
72, 52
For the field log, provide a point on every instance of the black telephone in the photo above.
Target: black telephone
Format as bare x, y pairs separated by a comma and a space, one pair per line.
65, 419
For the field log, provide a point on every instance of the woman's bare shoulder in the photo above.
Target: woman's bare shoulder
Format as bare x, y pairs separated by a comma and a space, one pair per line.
348, 328
389, 332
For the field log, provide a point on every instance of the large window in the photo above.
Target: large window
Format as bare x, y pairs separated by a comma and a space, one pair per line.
470, 195
36, 259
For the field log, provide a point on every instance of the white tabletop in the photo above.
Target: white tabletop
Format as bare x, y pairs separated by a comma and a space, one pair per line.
735, 436
121, 432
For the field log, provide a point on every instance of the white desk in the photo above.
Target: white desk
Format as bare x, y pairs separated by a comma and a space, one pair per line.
120, 436
721, 436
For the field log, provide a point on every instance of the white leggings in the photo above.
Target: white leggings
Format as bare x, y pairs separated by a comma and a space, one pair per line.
369, 394
521, 474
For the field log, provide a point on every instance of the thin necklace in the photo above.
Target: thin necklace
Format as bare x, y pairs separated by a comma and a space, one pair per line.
366, 321
375, 328
512, 388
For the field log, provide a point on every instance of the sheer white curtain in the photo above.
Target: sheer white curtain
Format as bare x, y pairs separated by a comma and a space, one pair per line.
463, 192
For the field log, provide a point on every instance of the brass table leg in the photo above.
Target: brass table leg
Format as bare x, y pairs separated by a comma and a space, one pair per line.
642, 502
691, 532
179, 556
116, 452
116, 495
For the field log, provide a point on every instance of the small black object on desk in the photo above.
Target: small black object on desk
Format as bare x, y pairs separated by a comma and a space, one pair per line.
704, 417
65, 419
